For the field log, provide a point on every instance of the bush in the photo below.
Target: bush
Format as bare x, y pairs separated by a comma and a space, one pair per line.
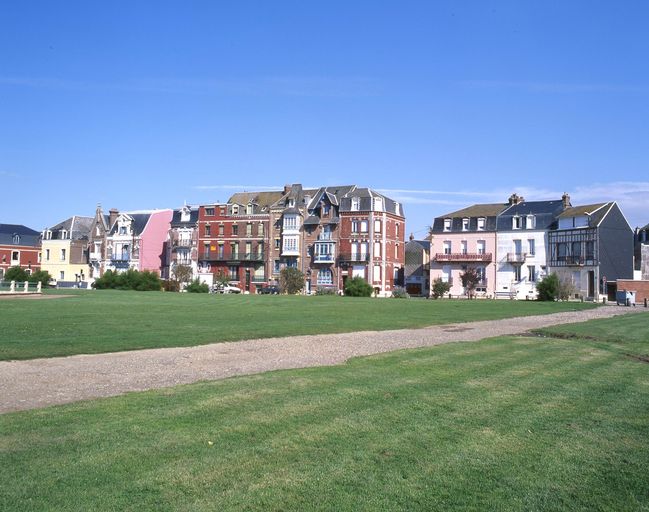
129, 280
325, 290
440, 288
197, 287
42, 276
400, 293
358, 287
170, 285
291, 280
16, 274
548, 288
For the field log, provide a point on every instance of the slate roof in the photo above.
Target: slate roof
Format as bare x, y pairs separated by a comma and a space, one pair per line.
477, 210
262, 199
595, 212
77, 227
140, 221
366, 196
177, 215
414, 245
545, 213
28, 236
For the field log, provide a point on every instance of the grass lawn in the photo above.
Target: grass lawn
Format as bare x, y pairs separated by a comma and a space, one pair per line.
108, 321
512, 423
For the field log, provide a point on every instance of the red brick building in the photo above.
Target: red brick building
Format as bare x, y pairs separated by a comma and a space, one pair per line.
20, 246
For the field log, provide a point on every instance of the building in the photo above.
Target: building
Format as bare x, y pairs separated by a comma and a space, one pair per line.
64, 251
19, 247
182, 241
641, 253
417, 267
99, 230
136, 240
521, 244
592, 247
465, 239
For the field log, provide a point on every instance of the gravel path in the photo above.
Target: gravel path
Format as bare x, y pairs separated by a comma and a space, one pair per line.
43, 382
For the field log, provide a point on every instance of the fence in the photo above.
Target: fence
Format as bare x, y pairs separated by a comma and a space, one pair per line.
19, 287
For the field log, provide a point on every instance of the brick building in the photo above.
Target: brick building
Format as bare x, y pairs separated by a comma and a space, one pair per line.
19, 247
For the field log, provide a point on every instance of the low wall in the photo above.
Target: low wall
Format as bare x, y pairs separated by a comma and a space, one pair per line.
640, 287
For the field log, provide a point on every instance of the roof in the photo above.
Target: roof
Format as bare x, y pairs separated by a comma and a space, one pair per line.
140, 221
262, 199
366, 196
417, 244
17, 229
177, 215
312, 220
594, 212
28, 236
77, 226
477, 210
545, 213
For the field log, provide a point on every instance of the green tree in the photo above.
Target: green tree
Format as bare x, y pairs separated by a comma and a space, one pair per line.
440, 288
42, 276
548, 288
183, 273
291, 280
470, 279
16, 274
197, 287
358, 287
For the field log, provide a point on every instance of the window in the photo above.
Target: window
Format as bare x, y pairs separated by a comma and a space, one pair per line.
235, 209
62, 275
517, 272
325, 276
97, 231
590, 250
562, 251
249, 209
396, 251
235, 229
16, 239
447, 247
377, 226
356, 204
64, 234
355, 226
290, 203
364, 226
15, 256
446, 274
377, 273
326, 207
531, 246
249, 229
397, 229
481, 223
481, 246
290, 244
234, 272
465, 224
290, 222
248, 249
222, 211
447, 224
62, 255
220, 249
206, 250
531, 273
208, 230
276, 266
463, 247
516, 222
260, 229
377, 249
221, 229
530, 222
277, 243
234, 250
209, 212
122, 230
378, 204
518, 247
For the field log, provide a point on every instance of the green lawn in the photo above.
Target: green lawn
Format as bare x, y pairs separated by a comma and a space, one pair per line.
108, 321
513, 423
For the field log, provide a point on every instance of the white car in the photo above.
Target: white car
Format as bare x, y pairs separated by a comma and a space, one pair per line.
228, 288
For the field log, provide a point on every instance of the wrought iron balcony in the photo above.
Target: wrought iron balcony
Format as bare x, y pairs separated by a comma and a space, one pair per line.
516, 257
120, 262
354, 257
323, 258
461, 257
180, 243
248, 256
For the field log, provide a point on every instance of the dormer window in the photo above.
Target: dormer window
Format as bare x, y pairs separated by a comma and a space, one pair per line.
465, 224
64, 234
448, 224
184, 215
123, 230
249, 209
16, 239
481, 223
378, 204
356, 204
290, 203
325, 208
235, 209
516, 222
530, 222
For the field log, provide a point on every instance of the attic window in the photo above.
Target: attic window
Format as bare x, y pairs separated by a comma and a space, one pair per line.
249, 209
481, 223
209, 212
447, 224
235, 209
465, 224
356, 204
516, 222
16, 239
290, 203
325, 208
64, 234
530, 222
378, 204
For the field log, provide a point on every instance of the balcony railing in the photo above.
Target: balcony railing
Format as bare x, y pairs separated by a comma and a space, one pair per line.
95, 256
360, 257
325, 237
248, 256
324, 258
122, 262
183, 243
574, 260
460, 256
516, 257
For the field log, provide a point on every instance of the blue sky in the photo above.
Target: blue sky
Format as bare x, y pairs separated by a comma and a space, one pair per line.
139, 105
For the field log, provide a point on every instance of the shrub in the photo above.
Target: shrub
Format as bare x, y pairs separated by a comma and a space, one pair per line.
42, 276
440, 288
197, 287
16, 274
129, 280
470, 279
358, 287
566, 288
325, 290
400, 293
291, 280
548, 288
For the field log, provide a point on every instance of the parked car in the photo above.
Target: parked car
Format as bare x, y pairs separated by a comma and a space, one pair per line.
227, 288
270, 290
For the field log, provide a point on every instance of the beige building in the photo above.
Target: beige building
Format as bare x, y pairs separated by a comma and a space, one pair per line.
64, 251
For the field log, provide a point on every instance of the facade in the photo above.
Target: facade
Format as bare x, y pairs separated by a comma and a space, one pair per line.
137, 241
417, 267
592, 247
641, 253
521, 244
182, 241
97, 234
19, 247
466, 239
64, 251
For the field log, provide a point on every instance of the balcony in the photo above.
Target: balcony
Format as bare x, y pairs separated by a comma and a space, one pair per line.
323, 258
290, 251
516, 257
183, 243
120, 262
95, 256
325, 237
248, 256
354, 257
462, 257
575, 260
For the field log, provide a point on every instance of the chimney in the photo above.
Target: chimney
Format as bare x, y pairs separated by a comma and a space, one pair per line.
565, 198
412, 237
515, 199
112, 216
287, 189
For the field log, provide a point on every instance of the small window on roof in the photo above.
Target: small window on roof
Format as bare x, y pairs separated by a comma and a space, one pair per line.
447, 224
465, 224
481, 223
516, 222
356, 203
530, 222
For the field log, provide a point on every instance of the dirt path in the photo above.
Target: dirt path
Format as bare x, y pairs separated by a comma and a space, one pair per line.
43, 382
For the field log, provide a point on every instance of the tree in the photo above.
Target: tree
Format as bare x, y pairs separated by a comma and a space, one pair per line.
440, 288
548, 288
470, 279
183, 273
566, 288
291, 280
42, 276
16, 274
197, 287
221, 278
358, 287
129, 280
